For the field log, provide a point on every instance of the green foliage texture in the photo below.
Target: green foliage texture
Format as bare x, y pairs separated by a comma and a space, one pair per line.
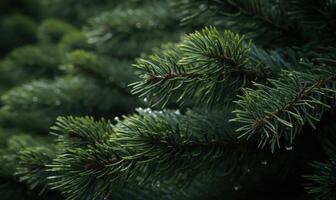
168, 100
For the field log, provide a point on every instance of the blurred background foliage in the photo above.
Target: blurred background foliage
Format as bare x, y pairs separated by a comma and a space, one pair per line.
68, 57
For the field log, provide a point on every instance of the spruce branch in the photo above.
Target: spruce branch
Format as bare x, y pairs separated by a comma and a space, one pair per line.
74, 132
23, 160
266, 14
65, 95
278, 112
261, 11
289, 21
32, 167
152, 146
209, 51
205, 67
323, 182
112, 72
311, 15
119, 31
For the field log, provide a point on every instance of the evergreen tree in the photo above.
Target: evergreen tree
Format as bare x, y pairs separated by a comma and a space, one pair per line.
240, 107
64, 74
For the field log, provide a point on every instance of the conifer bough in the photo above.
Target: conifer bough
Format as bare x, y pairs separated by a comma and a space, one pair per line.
246, 103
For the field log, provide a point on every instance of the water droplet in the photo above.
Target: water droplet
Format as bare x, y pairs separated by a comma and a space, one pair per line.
264, 162
288, 148
148, 110
236, 188
158, 183
142, 111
